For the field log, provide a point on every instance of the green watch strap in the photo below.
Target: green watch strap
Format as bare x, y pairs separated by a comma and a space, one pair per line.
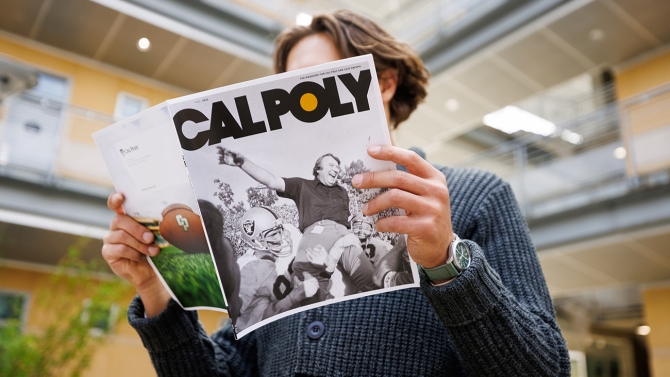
442, 272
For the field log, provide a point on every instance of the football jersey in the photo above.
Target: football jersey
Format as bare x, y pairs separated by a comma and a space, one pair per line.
375, 249
266, 285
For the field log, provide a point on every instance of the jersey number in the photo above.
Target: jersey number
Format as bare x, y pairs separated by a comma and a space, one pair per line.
282, 287
369, 250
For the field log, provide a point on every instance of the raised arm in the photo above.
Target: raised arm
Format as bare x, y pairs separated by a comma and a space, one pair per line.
233, 158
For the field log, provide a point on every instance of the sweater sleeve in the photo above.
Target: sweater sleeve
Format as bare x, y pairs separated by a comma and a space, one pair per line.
499, 312
179, 346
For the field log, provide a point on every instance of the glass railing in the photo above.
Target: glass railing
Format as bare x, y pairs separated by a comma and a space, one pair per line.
622, 147
49, 143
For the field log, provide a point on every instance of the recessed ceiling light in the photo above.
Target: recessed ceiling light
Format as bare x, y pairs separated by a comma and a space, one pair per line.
452, 105
303, 19
597, 35
143, 44
643, 330
620, 153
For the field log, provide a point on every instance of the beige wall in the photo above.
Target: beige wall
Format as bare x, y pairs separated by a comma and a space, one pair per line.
124, 355
646, 124
657, 316
643, 76
94, 88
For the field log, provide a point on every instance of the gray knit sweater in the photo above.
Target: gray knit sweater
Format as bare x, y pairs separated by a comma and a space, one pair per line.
496, 319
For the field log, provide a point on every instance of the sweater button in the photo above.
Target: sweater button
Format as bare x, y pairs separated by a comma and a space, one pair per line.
315, 330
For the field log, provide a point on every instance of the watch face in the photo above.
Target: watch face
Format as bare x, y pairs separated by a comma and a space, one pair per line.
462, 255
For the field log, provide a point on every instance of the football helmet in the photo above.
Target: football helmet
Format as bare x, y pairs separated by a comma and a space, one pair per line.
262, 229
362, 227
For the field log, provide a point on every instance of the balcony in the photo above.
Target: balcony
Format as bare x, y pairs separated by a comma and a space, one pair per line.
51, 174
595, 154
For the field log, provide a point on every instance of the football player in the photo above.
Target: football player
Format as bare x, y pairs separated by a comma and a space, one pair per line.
391, 265
267, 284
374, 247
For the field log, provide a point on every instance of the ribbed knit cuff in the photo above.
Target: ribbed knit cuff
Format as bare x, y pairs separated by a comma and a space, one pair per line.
168, 330
468, 297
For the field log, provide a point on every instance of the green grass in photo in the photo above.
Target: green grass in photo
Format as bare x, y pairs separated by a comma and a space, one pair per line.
191, 277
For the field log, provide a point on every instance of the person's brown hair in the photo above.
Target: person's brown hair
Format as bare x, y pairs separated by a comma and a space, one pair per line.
356, 35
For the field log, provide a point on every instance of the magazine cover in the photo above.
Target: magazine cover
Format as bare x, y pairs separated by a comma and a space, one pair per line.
276, 157
270, 164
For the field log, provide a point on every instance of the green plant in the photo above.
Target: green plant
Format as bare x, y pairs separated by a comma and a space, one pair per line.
191, 277
72, 323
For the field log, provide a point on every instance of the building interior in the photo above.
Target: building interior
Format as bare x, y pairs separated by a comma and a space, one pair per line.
567, 100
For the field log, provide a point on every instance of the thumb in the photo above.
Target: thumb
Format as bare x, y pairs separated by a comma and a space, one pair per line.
115, 203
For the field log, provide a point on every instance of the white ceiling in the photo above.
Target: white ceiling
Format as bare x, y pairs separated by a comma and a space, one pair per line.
535, 57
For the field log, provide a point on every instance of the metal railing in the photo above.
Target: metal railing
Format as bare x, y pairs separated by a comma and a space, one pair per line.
625, 145
49, 143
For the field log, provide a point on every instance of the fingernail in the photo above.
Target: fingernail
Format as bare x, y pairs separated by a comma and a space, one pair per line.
357, 179
153, 249
118, 197
146, 237
364, 208
374, 148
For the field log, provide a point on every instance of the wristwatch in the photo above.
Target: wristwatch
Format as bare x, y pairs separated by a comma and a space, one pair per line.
458, 259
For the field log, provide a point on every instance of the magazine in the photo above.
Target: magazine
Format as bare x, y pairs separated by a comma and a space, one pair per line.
247, 189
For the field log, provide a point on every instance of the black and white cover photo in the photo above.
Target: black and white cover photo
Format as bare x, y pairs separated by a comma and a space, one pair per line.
271, 163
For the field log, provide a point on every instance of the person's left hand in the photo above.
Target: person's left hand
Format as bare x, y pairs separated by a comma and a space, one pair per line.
424, 196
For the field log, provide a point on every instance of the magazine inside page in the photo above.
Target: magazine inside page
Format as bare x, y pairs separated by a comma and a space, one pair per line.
275, 157
145, 161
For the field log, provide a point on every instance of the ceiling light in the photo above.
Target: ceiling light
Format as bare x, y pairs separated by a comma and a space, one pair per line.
643, 330
452, 105
596, 35
511, 119
303, 19
143, 44
572, 137
620, 153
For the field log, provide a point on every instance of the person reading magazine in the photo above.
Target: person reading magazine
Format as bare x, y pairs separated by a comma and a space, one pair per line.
488, 315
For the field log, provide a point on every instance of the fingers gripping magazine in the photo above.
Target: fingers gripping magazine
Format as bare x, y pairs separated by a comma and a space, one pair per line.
248, 191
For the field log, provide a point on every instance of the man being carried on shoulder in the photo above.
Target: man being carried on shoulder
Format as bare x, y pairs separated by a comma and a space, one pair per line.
323, 209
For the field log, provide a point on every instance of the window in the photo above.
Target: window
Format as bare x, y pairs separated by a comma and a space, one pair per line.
13, 306
100, 317
32, 128
127, 105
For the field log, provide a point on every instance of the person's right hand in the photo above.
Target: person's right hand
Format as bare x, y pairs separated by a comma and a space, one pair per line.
229, 157
125, 249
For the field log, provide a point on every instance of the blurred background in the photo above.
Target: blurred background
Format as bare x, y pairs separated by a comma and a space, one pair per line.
567, 100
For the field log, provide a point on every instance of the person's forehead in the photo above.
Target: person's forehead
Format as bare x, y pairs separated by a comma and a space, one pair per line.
312, 50
328, 161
